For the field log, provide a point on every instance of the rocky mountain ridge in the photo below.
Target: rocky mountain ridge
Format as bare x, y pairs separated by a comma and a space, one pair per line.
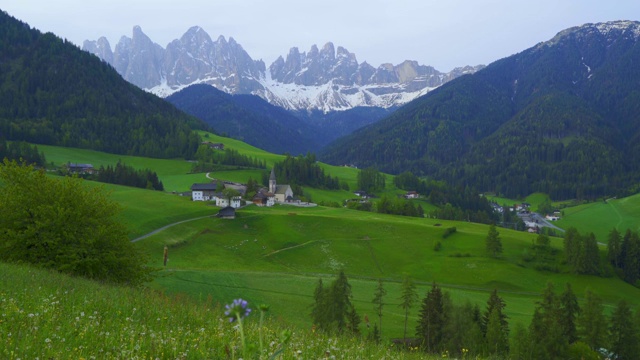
324, 79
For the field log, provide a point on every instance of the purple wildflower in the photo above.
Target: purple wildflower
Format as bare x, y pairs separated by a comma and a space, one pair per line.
237, 309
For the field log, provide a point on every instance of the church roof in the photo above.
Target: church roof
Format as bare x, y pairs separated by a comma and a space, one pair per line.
273, 175
282, 189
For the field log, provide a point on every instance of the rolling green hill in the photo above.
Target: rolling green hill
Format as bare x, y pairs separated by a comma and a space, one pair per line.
263, 249
255, 255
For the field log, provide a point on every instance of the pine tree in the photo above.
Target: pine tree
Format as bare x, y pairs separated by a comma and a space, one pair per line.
493, 242
623, 332
546, 331
592, 324
408, 298
378, 302
339, 301
569, 310
632, 258
319, 313
497, 340
431, 319
614, 248
495, 306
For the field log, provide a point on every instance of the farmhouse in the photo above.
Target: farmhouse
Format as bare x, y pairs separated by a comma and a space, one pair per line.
412, 195
227, 213
222, 201
282, 193
204, 192
76, 168
216, 146
264, 198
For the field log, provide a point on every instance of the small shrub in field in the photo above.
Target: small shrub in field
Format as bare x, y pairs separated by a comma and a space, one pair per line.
448, 232
437, 245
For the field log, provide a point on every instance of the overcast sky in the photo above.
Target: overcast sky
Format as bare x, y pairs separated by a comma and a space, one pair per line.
443, 33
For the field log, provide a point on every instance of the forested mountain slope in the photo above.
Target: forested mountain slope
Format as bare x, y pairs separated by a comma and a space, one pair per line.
247, 118
562, 117
51, 92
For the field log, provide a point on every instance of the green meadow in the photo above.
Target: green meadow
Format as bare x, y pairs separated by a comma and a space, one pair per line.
277, 255
602, 216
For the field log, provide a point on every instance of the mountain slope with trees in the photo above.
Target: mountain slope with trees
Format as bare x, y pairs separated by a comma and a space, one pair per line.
247, 118
53, 93
560, 117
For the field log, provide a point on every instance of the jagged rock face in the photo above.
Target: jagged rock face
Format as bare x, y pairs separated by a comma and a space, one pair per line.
145, 62
196, 58
100, 48
321, 79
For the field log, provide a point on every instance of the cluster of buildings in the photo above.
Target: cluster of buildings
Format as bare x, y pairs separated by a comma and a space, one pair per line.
213, 191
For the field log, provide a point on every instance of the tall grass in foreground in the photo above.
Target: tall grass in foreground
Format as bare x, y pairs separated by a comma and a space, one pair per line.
51, 316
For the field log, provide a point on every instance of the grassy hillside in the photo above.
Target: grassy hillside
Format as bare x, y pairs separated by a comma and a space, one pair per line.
601, 217
276, 255
46, 315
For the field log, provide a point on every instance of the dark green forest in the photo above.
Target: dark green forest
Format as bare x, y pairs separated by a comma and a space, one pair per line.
53, 93
247, 118
527, 123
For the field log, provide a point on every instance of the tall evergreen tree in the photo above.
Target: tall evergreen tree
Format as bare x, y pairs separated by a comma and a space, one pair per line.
614, 248
546, 331
496, 338
592, 324
319, 313
339, 301
493, 242
408, 297
378, 302
569, 310
589, 257
632, 258
572, 244
623, 333
431, 319
499, 339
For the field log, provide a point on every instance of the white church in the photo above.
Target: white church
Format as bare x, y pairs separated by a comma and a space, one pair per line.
282, 193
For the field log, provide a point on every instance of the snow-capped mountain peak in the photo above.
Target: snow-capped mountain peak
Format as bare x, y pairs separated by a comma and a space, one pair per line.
326, 79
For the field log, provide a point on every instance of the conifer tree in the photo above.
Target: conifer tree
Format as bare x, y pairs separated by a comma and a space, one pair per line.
496, 306
493, 242
431, 319
592, 324
614, 248
569, 310
624, 333
497, 340
339, 301
407, 298
319, 314
378, 302
546, 331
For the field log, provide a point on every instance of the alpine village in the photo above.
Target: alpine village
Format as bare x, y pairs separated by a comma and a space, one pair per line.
494, 214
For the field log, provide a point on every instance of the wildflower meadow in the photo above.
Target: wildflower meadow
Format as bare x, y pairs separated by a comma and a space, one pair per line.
48, 315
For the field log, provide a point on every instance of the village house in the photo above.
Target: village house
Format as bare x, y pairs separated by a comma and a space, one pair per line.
76, 168
222, 201
282, 193
204, 192
411, 195
264, 198
227, 213
215, 146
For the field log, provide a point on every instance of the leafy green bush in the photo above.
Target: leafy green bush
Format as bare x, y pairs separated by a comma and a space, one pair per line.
62, 225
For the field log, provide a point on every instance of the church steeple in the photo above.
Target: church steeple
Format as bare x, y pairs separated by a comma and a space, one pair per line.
272, 182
